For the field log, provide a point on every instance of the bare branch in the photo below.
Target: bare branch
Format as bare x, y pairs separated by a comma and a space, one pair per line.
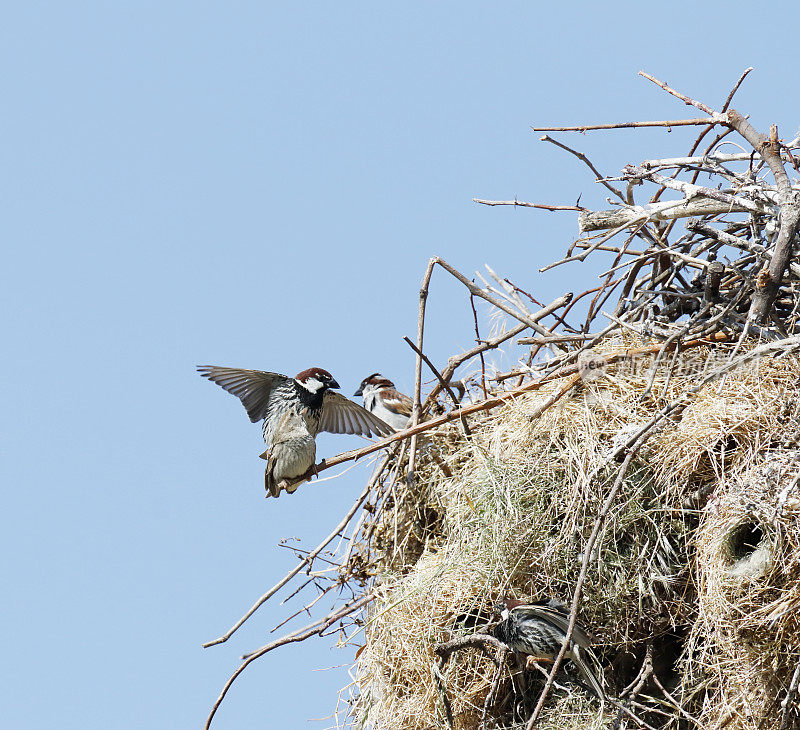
583, 158
631, 125
694, 191
481, 641
308, 559
576, 596
416, 410
770, 281
520, 204
622, 217
315, 628
445, 385
736, 88
685, 99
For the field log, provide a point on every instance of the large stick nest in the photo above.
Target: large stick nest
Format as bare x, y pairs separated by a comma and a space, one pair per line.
641, 460
696, 560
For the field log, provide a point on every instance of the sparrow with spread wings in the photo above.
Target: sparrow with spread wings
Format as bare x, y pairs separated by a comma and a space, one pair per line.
294, 411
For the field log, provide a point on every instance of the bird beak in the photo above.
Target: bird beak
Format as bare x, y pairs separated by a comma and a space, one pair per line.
360, 391
333, 384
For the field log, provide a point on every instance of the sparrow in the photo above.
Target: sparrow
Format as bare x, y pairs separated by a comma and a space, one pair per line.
538, 630
294, 411
385, 401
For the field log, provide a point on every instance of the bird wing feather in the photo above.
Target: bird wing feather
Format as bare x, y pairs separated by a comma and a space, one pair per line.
560, 620
588, 674
341, 415
253, 387
397, 402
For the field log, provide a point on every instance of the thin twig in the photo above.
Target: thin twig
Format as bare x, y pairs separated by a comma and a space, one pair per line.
583, 158
736, 88
520, 204
415, 411
788, 700
685, 99
576, 596
445, 385
630, 125
308, 559
478, 341
315, 628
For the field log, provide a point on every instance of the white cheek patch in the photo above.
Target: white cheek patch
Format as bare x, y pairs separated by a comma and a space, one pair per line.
312, 384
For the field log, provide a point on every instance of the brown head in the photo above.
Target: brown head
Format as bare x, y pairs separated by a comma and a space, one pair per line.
315, 379
375, 381
504, 605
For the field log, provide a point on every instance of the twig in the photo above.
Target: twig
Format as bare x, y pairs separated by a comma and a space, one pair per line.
455, 362
478, 341
786, 703
415, 410
717, 157
583, 158
663, 211
442, 687
576, 596
308, 559
520, 204
685, 99
572, 381
480, 641
736, 88
631, 125
789, 199
553, 339
502, 655
531, 321
315, 628
675, 703
445, 385
694, 191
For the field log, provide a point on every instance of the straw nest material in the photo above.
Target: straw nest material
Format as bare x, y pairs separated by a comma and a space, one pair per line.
696, 572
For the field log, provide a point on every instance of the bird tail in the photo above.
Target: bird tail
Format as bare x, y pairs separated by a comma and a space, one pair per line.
580, 662
271, 487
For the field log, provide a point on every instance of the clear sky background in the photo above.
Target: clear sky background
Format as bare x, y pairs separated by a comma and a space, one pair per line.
261, 185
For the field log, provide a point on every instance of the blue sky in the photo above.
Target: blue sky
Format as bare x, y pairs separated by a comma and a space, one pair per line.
261, 185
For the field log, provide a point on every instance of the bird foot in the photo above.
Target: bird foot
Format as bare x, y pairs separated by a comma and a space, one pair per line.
531, 662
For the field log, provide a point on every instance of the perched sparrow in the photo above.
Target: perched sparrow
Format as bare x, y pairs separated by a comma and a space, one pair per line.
382, 399
538, 630
294, 411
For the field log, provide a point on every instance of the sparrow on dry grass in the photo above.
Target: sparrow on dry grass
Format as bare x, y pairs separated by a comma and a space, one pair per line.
294, 411
538, 629
385, 401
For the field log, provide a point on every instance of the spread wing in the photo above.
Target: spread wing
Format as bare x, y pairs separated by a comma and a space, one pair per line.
252, 387
560, 619
341, 415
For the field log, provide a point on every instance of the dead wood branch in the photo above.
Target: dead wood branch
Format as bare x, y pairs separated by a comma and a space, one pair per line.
631, 125
664, 211
308, 559
315, 628
520, 204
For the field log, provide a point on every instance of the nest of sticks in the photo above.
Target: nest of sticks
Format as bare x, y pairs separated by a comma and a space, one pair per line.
641, 462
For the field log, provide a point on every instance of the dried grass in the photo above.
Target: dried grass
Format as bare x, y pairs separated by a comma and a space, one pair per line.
517, 508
